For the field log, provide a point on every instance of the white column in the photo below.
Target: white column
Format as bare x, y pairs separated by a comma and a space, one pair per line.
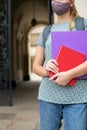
20, 60
81, 6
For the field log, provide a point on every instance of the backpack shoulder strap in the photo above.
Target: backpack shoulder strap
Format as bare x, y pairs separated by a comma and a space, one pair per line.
46, 32
79, 23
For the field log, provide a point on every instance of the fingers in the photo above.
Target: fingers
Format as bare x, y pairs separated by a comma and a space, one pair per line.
54, 77
52, 66
55, 80
54, 61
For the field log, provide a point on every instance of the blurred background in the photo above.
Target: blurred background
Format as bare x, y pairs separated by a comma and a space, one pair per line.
21, 23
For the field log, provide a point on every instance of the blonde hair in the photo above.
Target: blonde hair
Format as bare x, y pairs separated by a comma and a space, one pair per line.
73, 14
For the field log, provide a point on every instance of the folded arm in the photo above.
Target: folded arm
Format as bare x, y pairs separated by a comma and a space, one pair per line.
38, 62
38, 67
62, 78
79, 70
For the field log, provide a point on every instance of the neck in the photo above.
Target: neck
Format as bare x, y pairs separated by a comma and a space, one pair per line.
63, 18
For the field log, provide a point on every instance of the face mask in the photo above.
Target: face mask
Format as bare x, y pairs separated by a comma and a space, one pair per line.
60, 8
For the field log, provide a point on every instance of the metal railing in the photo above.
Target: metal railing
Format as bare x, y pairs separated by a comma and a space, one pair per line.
5, 53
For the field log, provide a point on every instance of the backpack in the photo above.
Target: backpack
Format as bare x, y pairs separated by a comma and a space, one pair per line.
79, 24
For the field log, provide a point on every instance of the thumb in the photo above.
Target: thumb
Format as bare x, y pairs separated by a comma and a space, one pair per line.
54, 77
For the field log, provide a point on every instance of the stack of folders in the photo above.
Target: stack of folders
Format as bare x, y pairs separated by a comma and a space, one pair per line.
67, 59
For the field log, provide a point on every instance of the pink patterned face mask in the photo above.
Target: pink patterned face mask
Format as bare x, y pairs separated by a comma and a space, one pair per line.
60, 8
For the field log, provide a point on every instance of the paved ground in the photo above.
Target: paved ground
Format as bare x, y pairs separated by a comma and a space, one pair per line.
23, 115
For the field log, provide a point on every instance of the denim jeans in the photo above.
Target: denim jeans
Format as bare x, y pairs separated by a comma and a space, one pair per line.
74, 116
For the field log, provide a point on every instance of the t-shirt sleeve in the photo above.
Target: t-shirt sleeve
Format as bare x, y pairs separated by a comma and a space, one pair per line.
85, 22
40, 40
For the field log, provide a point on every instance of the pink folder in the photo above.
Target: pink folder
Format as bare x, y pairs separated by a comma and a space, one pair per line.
76, 40
65, 62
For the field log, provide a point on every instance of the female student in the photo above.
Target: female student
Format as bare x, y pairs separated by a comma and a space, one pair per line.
56, 98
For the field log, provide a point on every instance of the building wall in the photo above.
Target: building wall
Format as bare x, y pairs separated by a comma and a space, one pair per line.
82, 7
21, 25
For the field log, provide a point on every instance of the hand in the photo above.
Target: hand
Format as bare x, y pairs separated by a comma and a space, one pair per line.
61, 78
52, 66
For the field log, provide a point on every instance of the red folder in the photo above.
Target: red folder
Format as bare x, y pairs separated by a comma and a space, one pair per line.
68, 58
